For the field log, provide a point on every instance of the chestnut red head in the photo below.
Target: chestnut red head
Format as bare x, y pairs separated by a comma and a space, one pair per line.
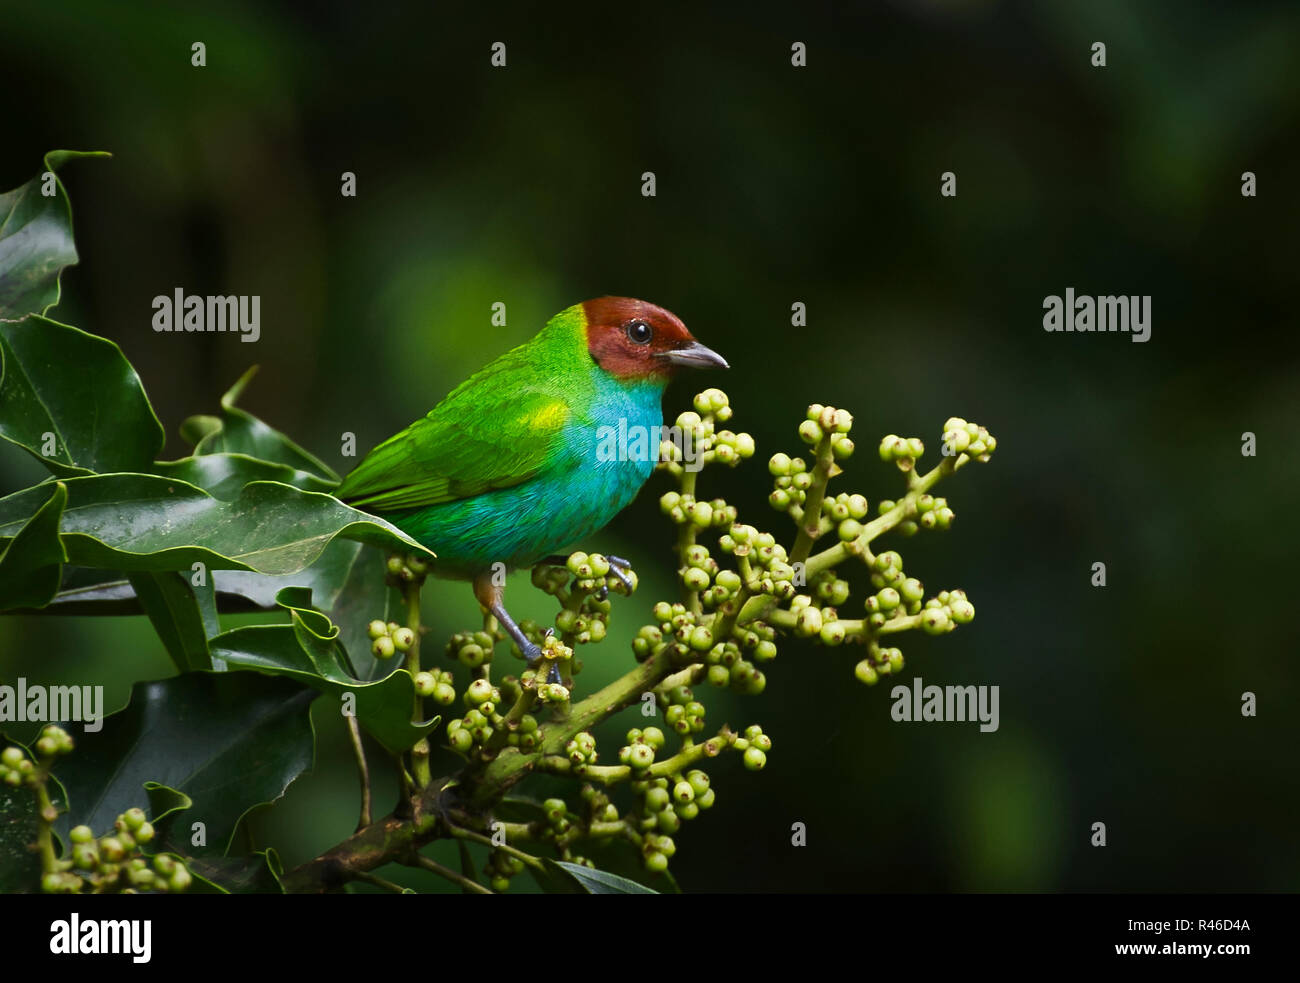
632, 339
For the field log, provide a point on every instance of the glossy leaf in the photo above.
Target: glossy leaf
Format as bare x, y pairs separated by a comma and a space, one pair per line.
172, 604
593, 881
135, 522
258, 873
229, 741
306, 650
31, 564
237, 431
225, 475
73, 401
36, 240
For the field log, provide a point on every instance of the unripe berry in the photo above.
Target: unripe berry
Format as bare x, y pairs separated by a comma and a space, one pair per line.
383, 647
444, 694
403, 639
683, 792
81, 834
425, 684
695, 579
833, 633
934, 621
755, 759
962, 611
462, 740
865, 672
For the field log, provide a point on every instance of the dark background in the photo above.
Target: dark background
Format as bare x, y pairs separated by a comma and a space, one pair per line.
775, 184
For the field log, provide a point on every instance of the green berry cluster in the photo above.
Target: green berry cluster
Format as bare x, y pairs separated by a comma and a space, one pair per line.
115, 863
683, 508
581, 750
827, 420
639, 751
682, 712
755, 745
903, 451
17, 769
472, 648
411, 568
389, 638
665, 803
970, 439
706, 443
437, 685
500, 868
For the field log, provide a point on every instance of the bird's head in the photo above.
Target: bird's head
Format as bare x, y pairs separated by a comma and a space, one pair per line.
631, 339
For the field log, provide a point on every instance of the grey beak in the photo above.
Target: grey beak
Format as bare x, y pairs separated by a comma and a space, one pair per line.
696, 356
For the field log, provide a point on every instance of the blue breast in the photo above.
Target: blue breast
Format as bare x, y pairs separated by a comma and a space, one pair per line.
610, 452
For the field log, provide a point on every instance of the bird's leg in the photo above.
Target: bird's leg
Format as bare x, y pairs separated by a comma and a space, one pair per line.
490, 596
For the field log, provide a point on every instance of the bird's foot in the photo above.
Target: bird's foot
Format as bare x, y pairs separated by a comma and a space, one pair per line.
621, 569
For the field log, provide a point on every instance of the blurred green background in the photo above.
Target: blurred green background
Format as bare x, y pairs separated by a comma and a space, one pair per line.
775, 185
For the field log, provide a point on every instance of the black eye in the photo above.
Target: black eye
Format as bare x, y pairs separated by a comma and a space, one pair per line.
639, 332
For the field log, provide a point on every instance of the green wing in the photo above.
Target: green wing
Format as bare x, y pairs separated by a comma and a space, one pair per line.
478, 439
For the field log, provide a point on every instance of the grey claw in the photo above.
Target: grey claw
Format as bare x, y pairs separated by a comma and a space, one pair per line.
619, 567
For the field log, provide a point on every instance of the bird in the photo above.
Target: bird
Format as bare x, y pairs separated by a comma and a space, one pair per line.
514, 464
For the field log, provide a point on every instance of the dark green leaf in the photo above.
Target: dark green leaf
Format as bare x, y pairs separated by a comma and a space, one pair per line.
255, 874
31, 564
36, 241
172, 604
144, 522
225, 475
229, 741
73, 401
301, 651
347, 580
165, 803
237, 431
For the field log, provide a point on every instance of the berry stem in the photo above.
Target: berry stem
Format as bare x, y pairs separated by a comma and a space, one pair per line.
473, 887
420, 752
905, 507
468, 834
811, 520
686, 539
363, 770
45, 815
